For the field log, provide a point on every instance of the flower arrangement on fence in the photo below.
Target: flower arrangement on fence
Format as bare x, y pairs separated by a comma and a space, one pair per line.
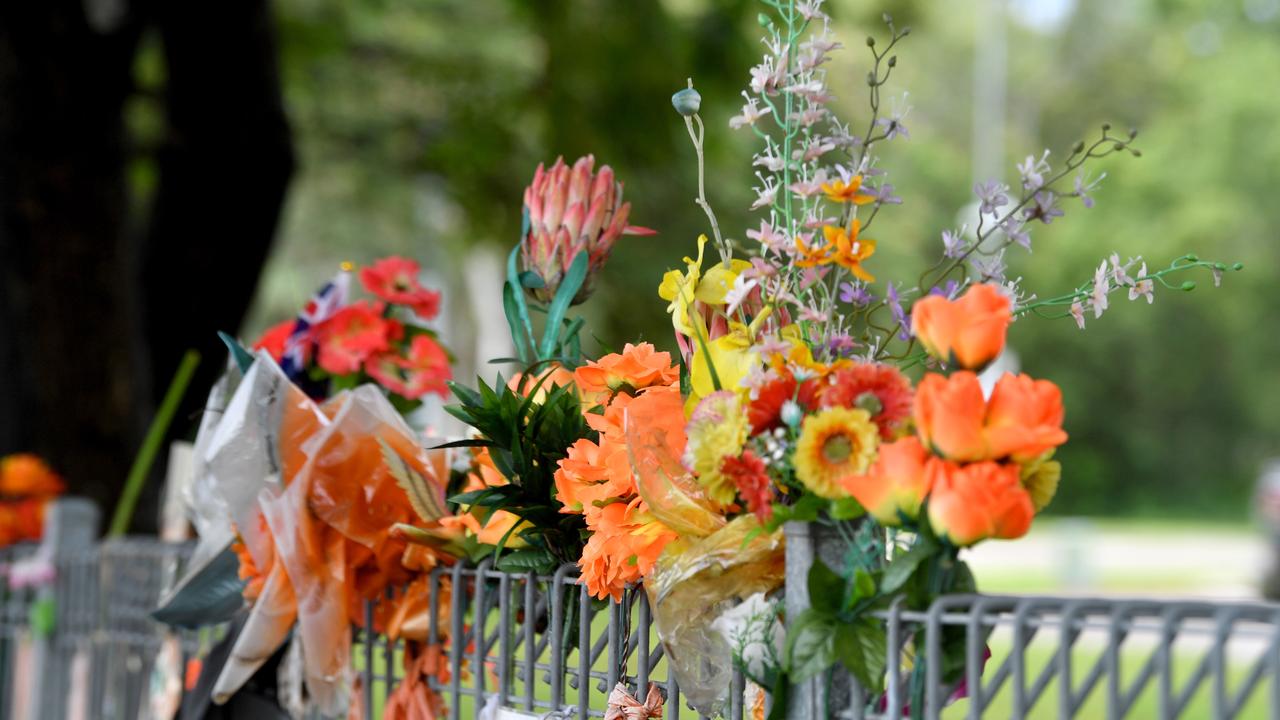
810, 383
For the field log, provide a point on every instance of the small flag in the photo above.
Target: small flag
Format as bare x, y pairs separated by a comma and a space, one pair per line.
328, 300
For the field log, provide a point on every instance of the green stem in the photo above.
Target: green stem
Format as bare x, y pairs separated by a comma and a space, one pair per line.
151, 445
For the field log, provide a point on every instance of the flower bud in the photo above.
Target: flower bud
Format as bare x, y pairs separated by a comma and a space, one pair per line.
764, 20
791, 413
687, 101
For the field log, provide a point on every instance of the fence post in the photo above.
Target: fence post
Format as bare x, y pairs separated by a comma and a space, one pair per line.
70, 529
816, 699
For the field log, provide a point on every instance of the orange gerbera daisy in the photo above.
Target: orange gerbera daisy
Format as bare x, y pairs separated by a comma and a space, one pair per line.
877, 388
834, 444
847, 192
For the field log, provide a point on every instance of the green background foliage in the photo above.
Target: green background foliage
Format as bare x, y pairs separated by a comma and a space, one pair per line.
418, 125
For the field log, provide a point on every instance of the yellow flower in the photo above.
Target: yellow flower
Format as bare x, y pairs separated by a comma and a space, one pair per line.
682, 289
1041, 477
851, 192
717, 429
834, 444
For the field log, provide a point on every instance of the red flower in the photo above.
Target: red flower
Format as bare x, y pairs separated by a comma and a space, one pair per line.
879, 389
395, 279
752, 480
764, 412
353, 335
273, 340
424, 370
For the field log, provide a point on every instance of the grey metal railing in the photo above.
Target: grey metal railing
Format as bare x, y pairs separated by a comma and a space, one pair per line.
540, 645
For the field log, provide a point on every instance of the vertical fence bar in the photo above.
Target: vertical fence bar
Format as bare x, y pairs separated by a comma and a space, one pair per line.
1165, 648
479, 618
616, 609
505, 659
366, 637
456, 644
557, 630
584, 652
642, 648
1218, 661
530, 639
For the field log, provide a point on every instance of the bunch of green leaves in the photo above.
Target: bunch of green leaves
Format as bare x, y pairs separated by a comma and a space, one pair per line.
840, 625
526, 437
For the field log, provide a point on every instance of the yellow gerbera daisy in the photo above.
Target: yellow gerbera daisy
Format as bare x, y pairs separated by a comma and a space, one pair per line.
834, 443
717, 429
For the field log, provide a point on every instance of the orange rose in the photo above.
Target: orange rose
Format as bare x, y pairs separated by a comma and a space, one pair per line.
968, 332
1023, 419
949, 413
978, 501
896, 484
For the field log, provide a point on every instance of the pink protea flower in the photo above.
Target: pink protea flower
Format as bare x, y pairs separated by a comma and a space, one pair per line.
570, 210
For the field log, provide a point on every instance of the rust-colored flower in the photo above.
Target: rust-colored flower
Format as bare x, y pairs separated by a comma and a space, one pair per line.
896, 484
353, 335
968, 332
26, 475
978, 501
751, 478
764, 408
635, 368
572, 210
395, 280
880, 389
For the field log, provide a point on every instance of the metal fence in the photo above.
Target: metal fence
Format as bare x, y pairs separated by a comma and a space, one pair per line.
76, 640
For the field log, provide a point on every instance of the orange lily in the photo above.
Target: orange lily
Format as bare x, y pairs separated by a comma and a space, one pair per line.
847, 192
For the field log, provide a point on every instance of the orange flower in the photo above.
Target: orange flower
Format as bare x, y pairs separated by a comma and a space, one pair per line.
1024, 417
880, 389
353, 334
949, 413
843, 248
847, 192
273, 338
24, 474
978, 501
636, 367
969, 332
594, 474
624, 546
896, 484
1022, 421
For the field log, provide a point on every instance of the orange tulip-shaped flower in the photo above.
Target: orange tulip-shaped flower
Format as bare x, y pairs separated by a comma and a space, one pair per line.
896, 484
636, 367
978, 501
949, 413
1022, 421
1024, 418
968, 332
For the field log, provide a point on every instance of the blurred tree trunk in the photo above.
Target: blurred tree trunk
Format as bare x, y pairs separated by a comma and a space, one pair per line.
94, 318
70, 364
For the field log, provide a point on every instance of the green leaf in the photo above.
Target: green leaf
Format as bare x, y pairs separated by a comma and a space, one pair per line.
864, 586
861, 647
511, 306
422, 497
531, 280
781, 686
826, 588
811, 643
569, 286
243, 357
904, 566
846, 509
962, 580
537, 560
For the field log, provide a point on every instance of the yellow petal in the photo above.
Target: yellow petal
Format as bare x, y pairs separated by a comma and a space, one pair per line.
718, 281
